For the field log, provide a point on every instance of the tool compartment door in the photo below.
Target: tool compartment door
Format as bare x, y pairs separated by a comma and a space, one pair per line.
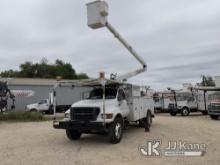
134, 110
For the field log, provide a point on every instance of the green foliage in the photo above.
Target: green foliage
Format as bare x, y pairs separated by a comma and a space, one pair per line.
45, 70
207, 81
22, 116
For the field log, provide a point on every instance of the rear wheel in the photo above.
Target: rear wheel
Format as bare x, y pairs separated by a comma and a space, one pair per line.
116, 130
73, 134
146, 122
185, 112
214, 117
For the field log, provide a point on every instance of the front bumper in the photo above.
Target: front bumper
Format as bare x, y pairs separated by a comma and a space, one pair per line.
214, 112
83, 126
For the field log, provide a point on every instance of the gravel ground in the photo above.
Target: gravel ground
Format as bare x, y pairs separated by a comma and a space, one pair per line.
37, 143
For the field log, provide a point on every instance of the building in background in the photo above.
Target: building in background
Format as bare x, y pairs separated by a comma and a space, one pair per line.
40, 89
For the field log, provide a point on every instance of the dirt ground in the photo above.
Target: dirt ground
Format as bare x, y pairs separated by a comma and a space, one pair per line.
37, 143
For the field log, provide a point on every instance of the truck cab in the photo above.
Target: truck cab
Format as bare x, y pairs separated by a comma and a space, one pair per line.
214, 106
107, 111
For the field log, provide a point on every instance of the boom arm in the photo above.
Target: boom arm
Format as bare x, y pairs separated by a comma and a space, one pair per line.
131, 50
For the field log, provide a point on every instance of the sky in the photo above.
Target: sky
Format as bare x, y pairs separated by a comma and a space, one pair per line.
179, 40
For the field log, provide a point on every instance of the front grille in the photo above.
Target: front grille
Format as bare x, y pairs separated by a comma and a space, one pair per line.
84, 113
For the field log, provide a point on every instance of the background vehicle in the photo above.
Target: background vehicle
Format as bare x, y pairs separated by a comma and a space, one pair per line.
63, 101
41, 106
214, 106
162, 101
185, 103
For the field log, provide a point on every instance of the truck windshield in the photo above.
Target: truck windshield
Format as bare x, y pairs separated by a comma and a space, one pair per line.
110, 93
214, 96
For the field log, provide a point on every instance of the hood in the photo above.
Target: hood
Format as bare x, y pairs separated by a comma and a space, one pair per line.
93, 103
182, 103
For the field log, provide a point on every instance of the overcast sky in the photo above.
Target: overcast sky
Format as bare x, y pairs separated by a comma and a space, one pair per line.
179, 39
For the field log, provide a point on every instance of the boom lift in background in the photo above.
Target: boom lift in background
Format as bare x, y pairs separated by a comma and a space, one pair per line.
5, 93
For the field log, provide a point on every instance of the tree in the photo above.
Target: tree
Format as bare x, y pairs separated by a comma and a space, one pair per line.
207, 81
45, 70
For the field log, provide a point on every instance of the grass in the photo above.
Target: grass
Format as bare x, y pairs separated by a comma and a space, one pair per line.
22, 116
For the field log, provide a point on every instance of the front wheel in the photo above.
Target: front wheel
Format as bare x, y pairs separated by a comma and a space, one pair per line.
116, 131
214, 117
73, 134
185, 112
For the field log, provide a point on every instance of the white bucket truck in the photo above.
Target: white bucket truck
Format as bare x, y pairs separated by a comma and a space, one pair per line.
112, 104
107, 110
184, 103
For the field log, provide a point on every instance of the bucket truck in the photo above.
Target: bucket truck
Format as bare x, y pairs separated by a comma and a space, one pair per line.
111, 104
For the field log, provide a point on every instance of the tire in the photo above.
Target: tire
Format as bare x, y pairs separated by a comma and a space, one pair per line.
146, 122
73, 134
185, 112
173, 113
214, 117
116, 130
204, 112
33, 110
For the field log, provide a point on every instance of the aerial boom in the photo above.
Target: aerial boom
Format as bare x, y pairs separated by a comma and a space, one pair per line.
126, 44
97, 13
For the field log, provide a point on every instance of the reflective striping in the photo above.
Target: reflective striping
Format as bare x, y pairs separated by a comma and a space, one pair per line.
23, 93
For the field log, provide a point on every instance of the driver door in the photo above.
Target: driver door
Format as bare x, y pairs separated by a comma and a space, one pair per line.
43, 105
122, 102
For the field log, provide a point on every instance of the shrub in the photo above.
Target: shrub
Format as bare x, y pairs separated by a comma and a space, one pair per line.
22, 116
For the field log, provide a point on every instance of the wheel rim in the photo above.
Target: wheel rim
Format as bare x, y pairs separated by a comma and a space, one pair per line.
185, 112
118, 130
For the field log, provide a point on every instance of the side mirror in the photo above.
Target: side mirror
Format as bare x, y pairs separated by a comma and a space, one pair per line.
119, 98
85, 95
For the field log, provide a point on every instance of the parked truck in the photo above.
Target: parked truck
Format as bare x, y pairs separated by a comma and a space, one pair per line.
184, 103
214, 106
209, 101
108, 110
66, 95
112, 103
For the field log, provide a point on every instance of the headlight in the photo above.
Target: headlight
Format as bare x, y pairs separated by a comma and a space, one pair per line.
107, 116
67, 115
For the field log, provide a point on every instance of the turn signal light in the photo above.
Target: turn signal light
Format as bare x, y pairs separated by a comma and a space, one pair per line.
107, 116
